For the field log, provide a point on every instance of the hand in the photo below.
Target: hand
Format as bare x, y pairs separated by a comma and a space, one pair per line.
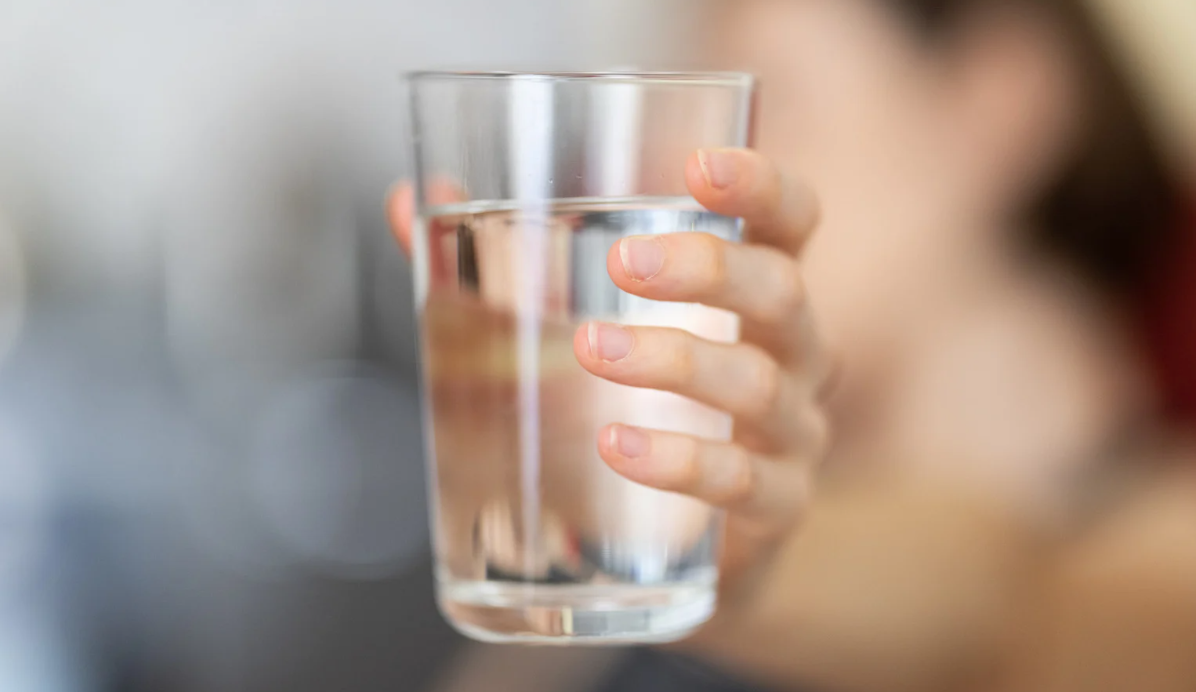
771, 382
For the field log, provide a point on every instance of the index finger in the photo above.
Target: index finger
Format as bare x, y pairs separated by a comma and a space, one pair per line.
400, 206
400, 212
778, 210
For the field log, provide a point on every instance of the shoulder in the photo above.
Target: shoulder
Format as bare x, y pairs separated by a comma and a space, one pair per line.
1128, 584
1153, 522
1117, 609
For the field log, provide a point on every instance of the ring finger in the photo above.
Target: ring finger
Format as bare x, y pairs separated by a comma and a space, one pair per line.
721, 474
740, 379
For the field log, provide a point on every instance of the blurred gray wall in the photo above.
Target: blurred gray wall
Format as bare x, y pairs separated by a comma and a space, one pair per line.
210, 462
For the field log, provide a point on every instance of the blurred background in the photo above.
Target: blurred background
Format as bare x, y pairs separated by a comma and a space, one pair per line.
211, 471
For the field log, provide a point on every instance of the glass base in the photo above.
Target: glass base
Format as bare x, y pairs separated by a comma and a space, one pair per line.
512, 613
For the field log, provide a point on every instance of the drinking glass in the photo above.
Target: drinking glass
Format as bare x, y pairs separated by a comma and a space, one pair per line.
524, 183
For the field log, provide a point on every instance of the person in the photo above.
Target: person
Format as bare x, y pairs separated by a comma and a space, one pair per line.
1001, 508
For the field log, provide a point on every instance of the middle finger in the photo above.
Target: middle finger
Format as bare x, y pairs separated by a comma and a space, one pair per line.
760, 283
740, 379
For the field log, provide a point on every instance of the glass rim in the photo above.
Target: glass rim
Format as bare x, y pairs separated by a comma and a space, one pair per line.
709, 79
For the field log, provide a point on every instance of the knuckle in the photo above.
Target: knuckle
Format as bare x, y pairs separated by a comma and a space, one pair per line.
712, 274
739, 485
789, 295
687, 475
798, 503
680, 360
767, 386
777, 184
793, 290
800, 205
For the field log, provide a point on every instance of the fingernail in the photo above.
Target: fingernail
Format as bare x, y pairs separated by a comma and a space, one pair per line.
718, 167
630, 442
642, 258
610, 343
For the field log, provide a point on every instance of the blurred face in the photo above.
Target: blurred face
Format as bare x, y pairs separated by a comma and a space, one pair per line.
916, 155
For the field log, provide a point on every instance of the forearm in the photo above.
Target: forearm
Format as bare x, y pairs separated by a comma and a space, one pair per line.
891, 590
1116, 610
884, 589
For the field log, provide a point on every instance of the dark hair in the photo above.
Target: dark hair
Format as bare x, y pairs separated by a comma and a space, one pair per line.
1114, 209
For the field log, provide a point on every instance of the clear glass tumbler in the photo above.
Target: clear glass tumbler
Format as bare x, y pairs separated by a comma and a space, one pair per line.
524, 182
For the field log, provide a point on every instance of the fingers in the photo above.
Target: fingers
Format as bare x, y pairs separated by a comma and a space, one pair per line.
724, 475
760, 283
742, 183
740, 379
755, 281
400, 212
400, 207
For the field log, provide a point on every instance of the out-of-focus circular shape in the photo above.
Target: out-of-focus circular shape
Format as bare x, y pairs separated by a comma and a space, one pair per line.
260, 257
219, 511
337, 473
23, 508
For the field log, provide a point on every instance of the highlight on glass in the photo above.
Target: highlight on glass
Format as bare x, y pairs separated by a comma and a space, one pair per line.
524, 182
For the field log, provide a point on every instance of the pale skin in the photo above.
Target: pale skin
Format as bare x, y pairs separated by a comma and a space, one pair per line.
771, 381
948, 546
799, 595
861, 579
